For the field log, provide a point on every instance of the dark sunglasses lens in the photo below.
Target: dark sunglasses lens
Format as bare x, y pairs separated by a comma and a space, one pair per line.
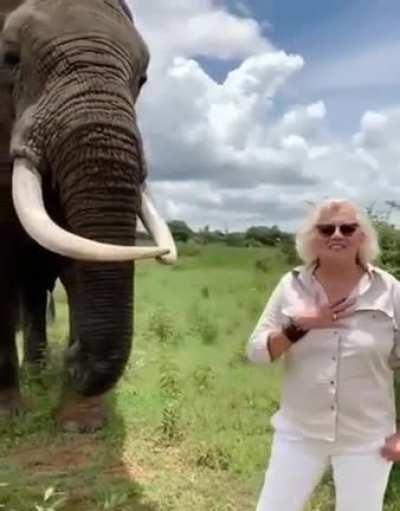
326, 230
348, 229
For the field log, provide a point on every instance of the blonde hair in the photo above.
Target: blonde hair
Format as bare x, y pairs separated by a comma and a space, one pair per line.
369, 249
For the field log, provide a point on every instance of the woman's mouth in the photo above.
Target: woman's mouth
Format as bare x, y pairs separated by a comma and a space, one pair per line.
337, 246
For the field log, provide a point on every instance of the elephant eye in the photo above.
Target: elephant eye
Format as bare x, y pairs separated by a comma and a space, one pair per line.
11, 58
142, 81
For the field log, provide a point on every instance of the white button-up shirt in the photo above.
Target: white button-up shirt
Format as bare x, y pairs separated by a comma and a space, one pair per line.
338, 382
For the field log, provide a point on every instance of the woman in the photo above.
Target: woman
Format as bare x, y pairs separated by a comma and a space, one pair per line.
334, 322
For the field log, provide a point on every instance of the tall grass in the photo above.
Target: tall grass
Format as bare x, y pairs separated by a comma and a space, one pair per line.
190, 418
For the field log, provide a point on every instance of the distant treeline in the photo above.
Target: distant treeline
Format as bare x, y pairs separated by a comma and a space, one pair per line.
263, 236
255, 236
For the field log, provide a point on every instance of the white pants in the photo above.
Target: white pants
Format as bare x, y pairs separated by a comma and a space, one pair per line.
296, 467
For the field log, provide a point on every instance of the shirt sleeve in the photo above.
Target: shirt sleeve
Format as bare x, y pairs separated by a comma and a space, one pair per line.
394, 360
270, 319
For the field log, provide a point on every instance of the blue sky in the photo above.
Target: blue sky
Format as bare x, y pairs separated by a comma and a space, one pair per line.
327, 34
298, 25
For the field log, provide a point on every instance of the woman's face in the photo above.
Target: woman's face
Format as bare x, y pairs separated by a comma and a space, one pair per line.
337, 235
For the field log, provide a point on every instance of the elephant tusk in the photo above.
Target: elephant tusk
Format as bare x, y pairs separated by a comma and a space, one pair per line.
157, 227
29, 205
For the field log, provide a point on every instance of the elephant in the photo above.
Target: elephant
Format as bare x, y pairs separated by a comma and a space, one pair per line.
73, 181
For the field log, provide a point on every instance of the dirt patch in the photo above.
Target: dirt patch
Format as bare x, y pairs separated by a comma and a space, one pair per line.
77, 453
129, 471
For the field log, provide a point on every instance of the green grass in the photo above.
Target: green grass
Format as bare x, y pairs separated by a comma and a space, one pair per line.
189, 426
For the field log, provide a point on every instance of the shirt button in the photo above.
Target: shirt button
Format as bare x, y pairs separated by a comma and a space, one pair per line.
334, 359
332, 383
332, 408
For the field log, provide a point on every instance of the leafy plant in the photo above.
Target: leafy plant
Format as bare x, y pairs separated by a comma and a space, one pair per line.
161, 324
171, 392
263, 265
189, 249
214, 457
204, 325
115, 501
204, 378
289, 253
52, 500
205, 292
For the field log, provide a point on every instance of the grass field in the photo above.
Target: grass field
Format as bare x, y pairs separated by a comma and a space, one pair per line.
189, 427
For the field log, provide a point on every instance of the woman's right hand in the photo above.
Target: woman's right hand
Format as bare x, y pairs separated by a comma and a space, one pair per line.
321, 316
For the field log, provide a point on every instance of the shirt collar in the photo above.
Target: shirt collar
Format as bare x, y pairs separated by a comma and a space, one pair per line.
305, 273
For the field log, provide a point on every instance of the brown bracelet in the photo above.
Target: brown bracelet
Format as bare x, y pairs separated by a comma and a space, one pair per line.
293, 331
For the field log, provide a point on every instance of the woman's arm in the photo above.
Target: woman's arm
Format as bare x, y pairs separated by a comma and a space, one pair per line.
391, 448
267, 342
277, 343
397, 398
395, 354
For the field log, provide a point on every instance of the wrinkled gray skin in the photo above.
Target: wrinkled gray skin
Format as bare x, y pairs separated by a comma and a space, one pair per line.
70, 76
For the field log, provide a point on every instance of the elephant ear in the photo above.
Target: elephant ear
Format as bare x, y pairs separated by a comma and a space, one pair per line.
126, 9
7, 6
6, 102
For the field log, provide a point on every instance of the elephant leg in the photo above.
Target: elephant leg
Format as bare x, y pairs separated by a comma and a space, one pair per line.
34, 326
10, 397
100, 301
79, 414
35, 282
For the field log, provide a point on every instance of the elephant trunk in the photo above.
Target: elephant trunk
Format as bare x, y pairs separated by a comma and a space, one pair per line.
99, 183
98, 167
101, 309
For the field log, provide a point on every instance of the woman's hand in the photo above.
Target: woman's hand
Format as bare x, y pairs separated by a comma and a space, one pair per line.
322, 316
391, 450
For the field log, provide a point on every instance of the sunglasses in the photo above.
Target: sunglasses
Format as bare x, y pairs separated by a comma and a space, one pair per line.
328, 230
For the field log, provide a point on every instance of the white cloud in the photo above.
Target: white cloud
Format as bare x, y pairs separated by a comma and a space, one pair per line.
196, 27
373, 130
220, 131
218, 153
377, 142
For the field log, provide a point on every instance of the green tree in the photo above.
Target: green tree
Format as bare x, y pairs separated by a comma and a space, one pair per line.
389, 240
180, 230
266, 235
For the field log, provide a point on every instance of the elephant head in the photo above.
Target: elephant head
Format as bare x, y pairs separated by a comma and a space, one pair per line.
70, 76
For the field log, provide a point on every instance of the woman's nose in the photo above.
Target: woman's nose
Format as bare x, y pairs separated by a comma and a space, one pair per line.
337, 233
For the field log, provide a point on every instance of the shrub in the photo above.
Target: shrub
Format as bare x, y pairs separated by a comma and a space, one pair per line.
190, 249
214, 457
205, 327
263, 265
171, 392
203, 323
204, 378
265, 235
235, 239
205, 292
180, 230
161, 324
288, 250
239, 357
170, 422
